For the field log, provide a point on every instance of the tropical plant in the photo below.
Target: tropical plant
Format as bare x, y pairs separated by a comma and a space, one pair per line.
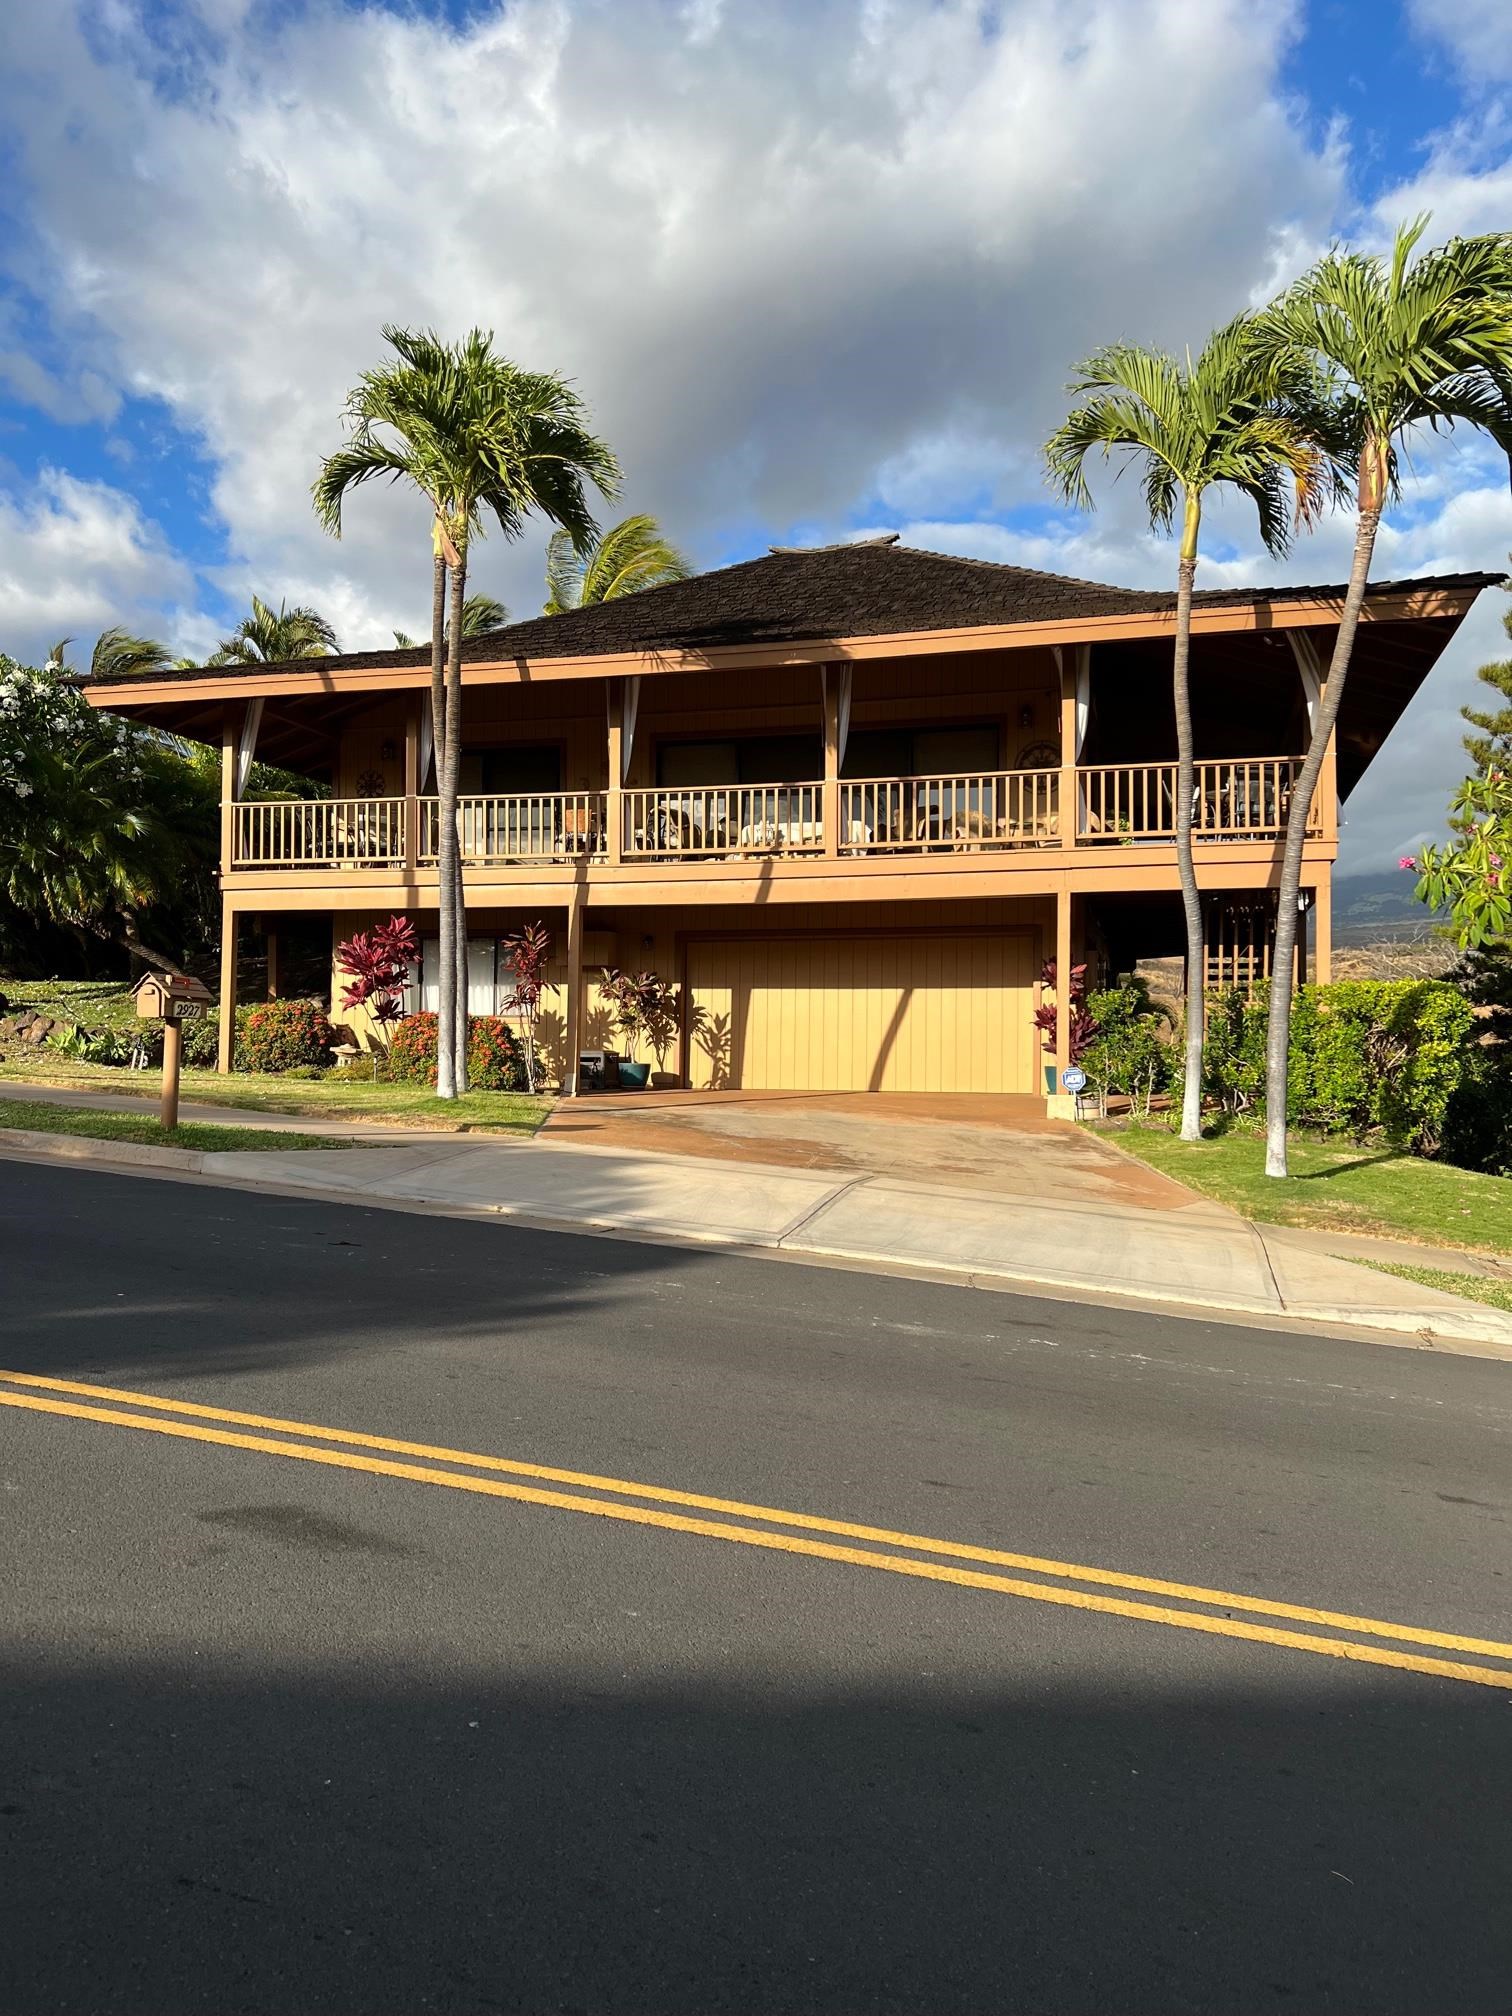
642, 1005
480, 614
379, 964
116, 655
1082, 1023
479, 438
527, 952
632, 555
1127, 1056
276, 637
1231, 416
1471, 875
1491, 745
493, 1055
287, 1035
1401, 342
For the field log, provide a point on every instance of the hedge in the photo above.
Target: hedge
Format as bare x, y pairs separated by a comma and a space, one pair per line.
1366, 1055
281, 1035
494, 1061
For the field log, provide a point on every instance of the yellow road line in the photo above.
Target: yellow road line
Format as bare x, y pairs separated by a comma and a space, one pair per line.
1260, 1606
783, 1543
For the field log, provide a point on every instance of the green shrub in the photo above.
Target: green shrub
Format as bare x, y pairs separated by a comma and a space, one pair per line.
202, 1040
360, 1070
1478, 1122
494, 1062
1365, 1055
281, 1035
1127, 1055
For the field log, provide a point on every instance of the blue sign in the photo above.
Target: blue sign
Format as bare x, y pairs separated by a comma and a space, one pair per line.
1074, 1079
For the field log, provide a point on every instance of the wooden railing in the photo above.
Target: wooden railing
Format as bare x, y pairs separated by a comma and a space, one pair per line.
537, 826
317, 832
1117, 804
700, 822
1245, 800
1002, 808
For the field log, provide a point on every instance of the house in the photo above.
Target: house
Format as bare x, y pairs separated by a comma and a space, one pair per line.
851, 798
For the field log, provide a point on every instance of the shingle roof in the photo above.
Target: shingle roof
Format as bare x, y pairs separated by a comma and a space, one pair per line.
872, 588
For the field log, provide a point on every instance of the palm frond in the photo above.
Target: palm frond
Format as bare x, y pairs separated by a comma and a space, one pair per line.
119, 655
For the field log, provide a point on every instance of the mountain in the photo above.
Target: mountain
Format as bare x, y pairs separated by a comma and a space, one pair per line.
1368, 908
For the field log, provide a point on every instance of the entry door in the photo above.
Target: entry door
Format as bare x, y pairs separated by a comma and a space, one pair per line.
858, 1014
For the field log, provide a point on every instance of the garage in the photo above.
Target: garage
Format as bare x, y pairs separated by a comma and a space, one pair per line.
854, 1012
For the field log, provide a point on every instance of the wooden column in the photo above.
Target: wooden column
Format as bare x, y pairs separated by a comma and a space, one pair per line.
1328, 792
275, 964
1323, 929
231, 720
1063, 900
226, 1036
1068, 802
575, 1004
412, 787
830, 804
616, 799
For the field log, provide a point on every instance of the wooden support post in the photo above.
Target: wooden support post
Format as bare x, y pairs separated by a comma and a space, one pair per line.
830, 808
1328, 792
1063, 901
412, 787
1069, 803
173, 1055
575, 1019
1323, 929
226, 1043
615, 802
231, 720
275, 964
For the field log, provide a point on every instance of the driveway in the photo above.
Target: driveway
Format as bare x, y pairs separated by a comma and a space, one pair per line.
998, 1143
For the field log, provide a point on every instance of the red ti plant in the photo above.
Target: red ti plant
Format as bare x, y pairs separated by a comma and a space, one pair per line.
1084, 1025
379, 963
527, 952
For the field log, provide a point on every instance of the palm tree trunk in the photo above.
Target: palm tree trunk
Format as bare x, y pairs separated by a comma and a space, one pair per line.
1186, 785
454, 760
1283, 969
446, 1006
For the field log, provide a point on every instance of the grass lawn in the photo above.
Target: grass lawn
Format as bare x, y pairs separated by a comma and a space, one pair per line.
1474, 1287
98, 1004
1338, 1187
44, 1118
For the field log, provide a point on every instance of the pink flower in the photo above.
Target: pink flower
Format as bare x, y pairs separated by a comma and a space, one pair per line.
1496, 860
1407, 862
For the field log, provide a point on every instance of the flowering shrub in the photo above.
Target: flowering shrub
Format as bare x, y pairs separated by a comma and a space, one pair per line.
494, 1063
282, 1035
1471, 877
378, 963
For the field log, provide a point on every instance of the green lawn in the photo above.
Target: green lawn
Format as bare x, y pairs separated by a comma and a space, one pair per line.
1474, 1287
1338, 1187
98, 1004
42, 1117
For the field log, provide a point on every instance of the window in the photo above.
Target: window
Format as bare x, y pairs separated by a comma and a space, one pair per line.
755, 759
424, 997
922, 752
515, 770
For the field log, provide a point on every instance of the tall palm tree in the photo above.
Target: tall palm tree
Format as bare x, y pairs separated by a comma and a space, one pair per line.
1400, 342
276, 636
479, 438
117, 655
480, 613
1225, 417
629, 556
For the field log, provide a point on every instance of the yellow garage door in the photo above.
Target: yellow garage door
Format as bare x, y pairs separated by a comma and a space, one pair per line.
861, 1014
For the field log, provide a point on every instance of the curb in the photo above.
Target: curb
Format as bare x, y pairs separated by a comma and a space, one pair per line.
1488, 1331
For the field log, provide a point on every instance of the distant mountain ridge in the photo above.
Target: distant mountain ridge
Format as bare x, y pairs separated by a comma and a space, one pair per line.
1367, 908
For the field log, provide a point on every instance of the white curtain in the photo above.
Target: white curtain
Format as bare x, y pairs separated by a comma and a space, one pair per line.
246, 748
844, 681
1308, 670
631, 707
1083, 694
427, 744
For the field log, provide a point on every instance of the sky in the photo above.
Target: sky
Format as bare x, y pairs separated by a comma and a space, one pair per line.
819, 267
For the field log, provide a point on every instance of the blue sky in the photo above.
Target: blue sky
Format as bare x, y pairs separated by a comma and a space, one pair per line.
819, 265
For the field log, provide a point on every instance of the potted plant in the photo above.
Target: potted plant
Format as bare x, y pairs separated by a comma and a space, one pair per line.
642, 1005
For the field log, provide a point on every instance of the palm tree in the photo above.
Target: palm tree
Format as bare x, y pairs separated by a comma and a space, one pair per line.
276, 637
1226, 417
480, 613
632, 555
478, 437
1399, 342
117, 655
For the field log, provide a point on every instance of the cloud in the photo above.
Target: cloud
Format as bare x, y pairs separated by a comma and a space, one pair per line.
1477, 33
76, 557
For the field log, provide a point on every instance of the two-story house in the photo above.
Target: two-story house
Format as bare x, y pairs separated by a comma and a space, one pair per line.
850, 799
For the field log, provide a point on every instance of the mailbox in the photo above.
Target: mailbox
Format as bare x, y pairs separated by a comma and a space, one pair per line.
170, 997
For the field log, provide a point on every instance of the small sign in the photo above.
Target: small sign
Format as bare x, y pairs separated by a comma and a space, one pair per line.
1074, 1079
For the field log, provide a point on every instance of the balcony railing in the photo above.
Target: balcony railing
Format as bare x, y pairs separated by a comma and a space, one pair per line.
1247, 800
1120, 804
703, 822
542, 826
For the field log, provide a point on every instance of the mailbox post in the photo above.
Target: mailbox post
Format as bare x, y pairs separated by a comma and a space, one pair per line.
172, 999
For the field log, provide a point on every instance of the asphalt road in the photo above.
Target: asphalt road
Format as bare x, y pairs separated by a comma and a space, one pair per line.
366, 1730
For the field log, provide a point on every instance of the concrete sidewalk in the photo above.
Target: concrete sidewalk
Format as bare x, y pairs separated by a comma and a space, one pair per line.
1200, 1256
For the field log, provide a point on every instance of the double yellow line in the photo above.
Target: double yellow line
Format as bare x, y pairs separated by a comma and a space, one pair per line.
1204, 1610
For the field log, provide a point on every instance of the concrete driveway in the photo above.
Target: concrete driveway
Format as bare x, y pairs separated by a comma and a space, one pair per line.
999, 1143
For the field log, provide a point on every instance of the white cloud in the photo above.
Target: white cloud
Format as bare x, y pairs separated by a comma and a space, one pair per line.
1478, 33
76, 557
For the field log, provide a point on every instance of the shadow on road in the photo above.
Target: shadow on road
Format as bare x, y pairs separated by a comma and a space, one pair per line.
181, 1837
